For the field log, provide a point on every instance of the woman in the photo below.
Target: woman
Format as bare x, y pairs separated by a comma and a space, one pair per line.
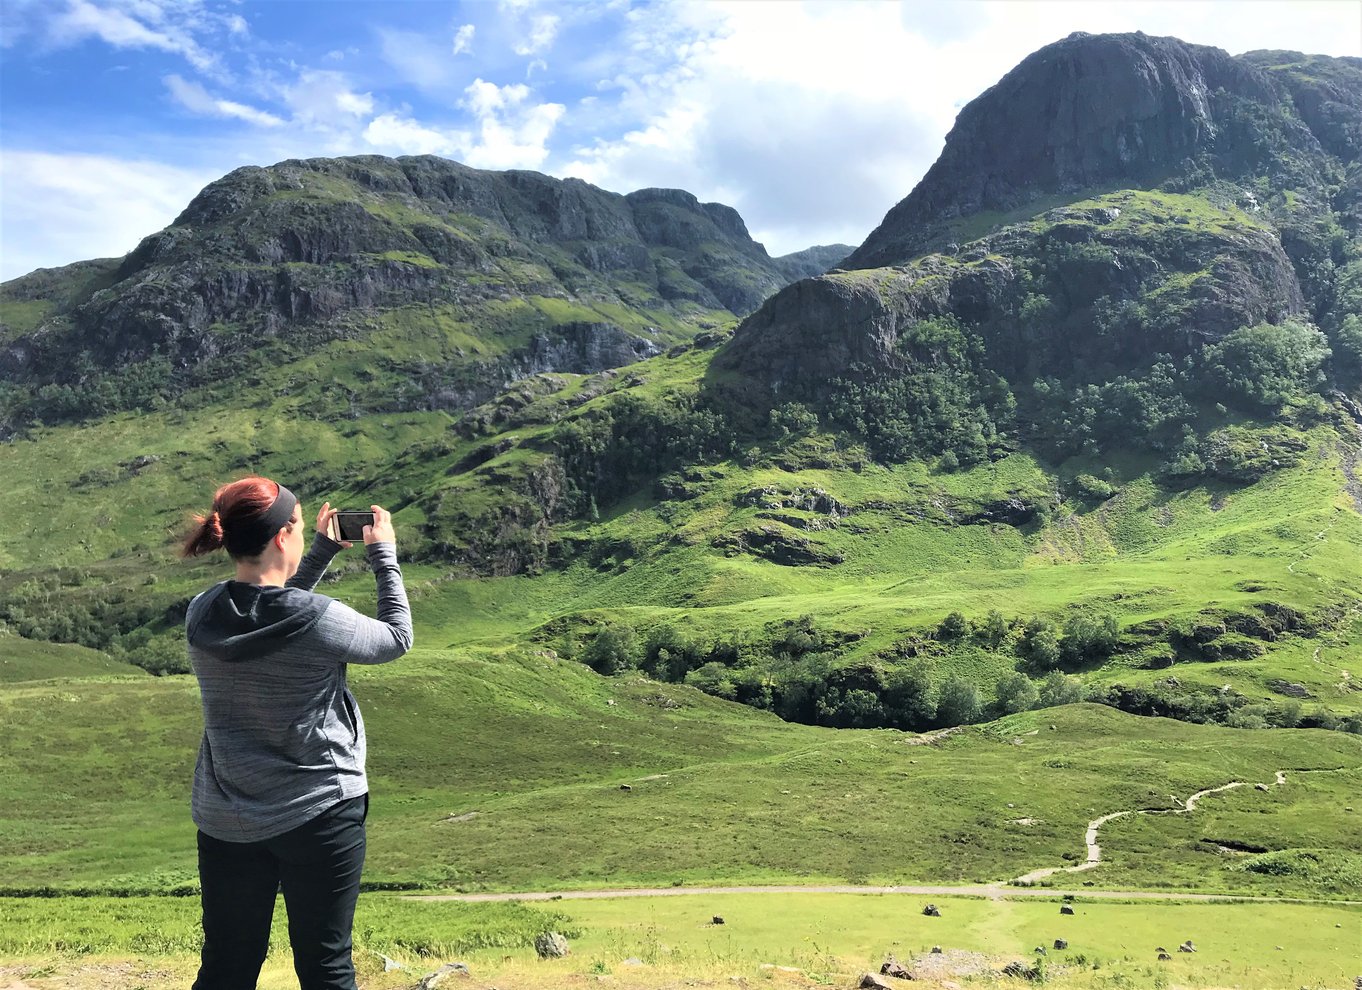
280, 795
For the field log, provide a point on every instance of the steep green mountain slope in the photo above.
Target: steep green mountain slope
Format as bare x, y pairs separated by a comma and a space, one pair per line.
1089, 429
454, 281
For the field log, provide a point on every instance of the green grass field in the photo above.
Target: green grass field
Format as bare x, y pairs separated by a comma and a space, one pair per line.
814, 939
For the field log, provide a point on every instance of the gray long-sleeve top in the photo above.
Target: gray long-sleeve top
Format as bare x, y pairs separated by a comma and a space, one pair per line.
283, 738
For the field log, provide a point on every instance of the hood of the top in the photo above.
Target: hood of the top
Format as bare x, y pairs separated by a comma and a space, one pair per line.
238, 621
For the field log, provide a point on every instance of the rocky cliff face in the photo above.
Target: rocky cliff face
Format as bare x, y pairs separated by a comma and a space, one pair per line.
323, 246
1204, 193
1129, 110
1193, 281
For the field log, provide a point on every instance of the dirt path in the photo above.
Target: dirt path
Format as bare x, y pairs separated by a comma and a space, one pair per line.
1095, 850
994, 891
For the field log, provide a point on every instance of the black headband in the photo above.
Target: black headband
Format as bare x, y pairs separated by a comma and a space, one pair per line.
248, 539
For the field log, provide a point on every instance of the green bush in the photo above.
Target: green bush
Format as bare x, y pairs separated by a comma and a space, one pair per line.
1268, 365
614, 649
1016, 693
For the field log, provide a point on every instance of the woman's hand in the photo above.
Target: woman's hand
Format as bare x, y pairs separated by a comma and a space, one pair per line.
324, 516
382, 529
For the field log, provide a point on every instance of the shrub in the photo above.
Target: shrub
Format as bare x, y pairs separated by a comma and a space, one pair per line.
1059, 689
1039, 645
1016, 693
614, 649
958, 702
1088, 639
910, 698
993, 630
954, 626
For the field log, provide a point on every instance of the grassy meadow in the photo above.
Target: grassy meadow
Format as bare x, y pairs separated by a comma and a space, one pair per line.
786, 940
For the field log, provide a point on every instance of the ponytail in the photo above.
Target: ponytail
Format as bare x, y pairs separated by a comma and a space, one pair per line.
205, 537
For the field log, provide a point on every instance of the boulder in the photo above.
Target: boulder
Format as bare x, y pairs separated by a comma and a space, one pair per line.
1066, 909
870, 980
1164, 957
892, 967
1021, 970
931, 911
551, 945
1187, 946
1061, 943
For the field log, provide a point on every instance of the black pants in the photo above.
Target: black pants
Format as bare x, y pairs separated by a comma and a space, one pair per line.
317, 865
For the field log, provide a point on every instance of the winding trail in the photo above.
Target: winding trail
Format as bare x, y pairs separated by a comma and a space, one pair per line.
1020, 887
1095, 850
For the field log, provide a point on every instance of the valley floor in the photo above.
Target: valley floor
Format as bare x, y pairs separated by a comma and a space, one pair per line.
790, 940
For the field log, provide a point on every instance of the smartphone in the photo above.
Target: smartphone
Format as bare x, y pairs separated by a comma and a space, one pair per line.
349, 526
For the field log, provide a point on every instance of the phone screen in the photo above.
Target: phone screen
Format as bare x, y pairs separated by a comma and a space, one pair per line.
349, 526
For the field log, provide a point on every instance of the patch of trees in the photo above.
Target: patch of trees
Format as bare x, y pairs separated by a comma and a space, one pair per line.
942, 400
1268, 365
792, 670
71, 607
610, 452
1170, 699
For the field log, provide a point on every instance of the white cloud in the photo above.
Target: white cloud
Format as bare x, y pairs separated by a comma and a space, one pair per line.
463, 39
125, 26
55, 209
324, 98
511, 132
193, 96
543, 28
395, 134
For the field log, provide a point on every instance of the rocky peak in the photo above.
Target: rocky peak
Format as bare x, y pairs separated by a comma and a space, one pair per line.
1083, 112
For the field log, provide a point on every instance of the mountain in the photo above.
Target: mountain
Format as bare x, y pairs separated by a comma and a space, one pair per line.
1074, 422
1130, 110
497, 275
812, 261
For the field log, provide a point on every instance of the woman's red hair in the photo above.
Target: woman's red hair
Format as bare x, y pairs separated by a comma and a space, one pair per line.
234, 503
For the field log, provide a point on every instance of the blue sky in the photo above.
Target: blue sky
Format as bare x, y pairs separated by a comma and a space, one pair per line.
812, 118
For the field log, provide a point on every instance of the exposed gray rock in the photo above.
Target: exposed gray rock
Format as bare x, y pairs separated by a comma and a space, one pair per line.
1087, 110
447, 975
551, 945
892, 967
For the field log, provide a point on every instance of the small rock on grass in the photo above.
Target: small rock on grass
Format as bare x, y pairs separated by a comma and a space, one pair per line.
872, 982
551, 945
931, 911
1066, 909
445, 976
1164, 957
892, 967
